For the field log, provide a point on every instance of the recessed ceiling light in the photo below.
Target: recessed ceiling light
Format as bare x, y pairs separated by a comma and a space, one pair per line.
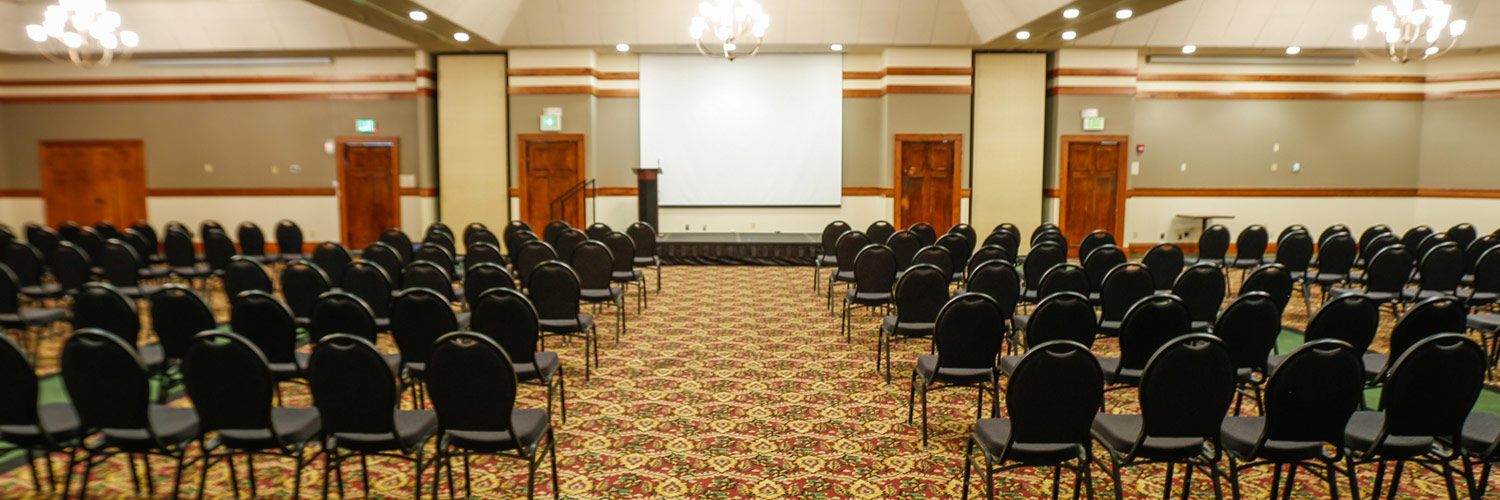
1022, 35
1124, 14
461, 36
1189, 49
1293, 50
1069, 35
836, 47
417, 15
1070, 13
622, 47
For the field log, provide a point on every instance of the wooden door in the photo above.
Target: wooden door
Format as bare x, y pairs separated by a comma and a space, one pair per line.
550, 166
1093, 187
369, 188
91, 181
928, 179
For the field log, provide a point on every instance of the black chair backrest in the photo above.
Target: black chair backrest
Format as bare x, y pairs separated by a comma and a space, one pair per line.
920, 294
1367, 236
341, 312
92, 243
644, 237
477, 233
178, 247
597, 230
435, 253
107, 230
1100, 261
1430, 242
1150, 324
177, 314
1201, 287
173, 225
484, 277
1430, 317
874, 269
371, 284
1336, 254
1213, 244
1313, 392
103, 307
968, 332
1462, 233
482, 252
937, 256
301, 283
1123, 286
924, 232
1294, 228
332, 257
1249, 327
1186, 388
986, 254
1095, 239
266, 322
508, 317
440, 227
959, 248
10, 292
1332, 230
1388, 270
143, 249
208, 226
424, 274
999, 280
69, 231
513, 227
966, 230
514, 241
1251, 243
1477, 250
1432, 388
71, 265
1274, 280
1052, 235
252, 239
1065, 316
848, 246
1376, 244
1007, 240
1442, 268
1063, 277
244, 274
288, 237
622, 249
594, 264
121, 263
473, 385
1053, 395
18, 381
1414, 236
442, 239
1045, 227
43, 238
553, 230
398, 242
418, 317
217, 249
387, 258
230, 382
532, 254
905, 244
1295, 251
1487, 273
569, 241
353, 388
26, 261
880, 231
106, 381
555, 289
1041, 259
1351, 318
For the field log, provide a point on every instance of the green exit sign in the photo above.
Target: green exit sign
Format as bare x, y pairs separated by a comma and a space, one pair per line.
365, 126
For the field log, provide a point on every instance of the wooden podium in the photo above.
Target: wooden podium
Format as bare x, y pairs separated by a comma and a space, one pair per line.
646, 199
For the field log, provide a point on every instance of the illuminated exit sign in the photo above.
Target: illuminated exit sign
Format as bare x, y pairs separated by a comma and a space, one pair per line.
365, 126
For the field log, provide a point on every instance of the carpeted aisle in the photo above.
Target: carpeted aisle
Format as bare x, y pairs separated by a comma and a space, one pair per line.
734, 384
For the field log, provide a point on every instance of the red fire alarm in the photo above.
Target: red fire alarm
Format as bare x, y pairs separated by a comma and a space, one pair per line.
1140, 148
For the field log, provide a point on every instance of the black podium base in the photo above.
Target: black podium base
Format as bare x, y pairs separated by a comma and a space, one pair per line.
737, 249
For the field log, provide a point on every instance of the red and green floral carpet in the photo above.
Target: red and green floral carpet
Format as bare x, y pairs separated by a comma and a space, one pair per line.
735, 383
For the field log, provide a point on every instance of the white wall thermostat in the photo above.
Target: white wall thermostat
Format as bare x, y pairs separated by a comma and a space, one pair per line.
551, 120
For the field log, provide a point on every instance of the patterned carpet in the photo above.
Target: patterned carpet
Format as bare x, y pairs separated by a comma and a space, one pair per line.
735, 383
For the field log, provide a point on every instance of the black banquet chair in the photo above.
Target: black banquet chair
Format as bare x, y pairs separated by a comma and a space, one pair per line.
644, 237
918, 295
556, 291
418, 317
874, 279
966, 339
510, 318
30, 425
1165, 261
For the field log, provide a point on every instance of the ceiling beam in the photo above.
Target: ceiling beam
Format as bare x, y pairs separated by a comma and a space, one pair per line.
434, 35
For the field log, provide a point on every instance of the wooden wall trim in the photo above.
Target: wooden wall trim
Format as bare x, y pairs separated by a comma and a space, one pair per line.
864, 92
313, 96
616, 191
1091, 91
515, 192
1464, 77
868, 191
864, 75
1052, 192
573, 89
425, 192
20, 193
199, 80
1206, 77
1458, 193
602, 75
1464, 94
426, 73
617, 92
1334, 96
1054, 73
1274, 192
908, 70
929, 89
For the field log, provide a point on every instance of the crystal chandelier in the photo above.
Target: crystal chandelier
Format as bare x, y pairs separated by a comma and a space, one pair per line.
81, 32
727, 21
1411, 27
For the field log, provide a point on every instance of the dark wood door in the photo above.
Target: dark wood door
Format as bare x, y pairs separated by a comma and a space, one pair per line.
1093, 187
369, 188
928, 179
91, 181
550, 170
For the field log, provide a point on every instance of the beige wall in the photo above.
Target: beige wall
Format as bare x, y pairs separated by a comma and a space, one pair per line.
1067, 119
1009, 92
865, 144
1458, 144
617, 141
474, 185
578, 118
926, 114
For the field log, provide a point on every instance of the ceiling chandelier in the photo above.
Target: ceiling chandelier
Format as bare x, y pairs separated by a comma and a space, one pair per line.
728, 21
1410, 27
81, 32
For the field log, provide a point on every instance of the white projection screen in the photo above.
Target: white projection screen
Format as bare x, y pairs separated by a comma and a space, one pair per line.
761, 131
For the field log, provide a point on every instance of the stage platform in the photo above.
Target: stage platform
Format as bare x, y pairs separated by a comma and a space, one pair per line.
737, 249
